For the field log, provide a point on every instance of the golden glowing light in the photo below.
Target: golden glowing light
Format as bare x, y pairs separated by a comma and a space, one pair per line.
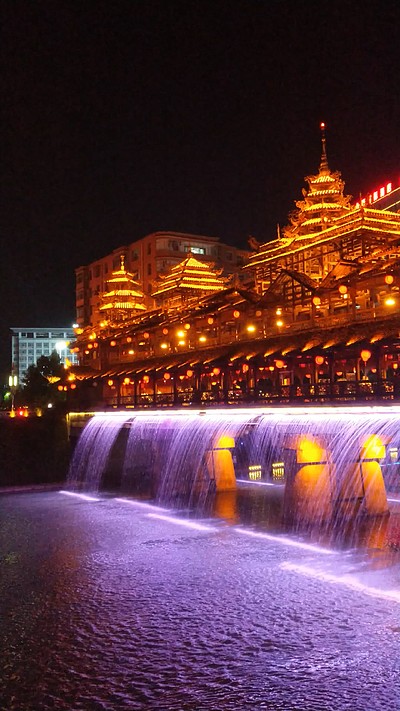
202, 339
165, 331
181, 334
390, 301
146, 379
167, 376
251, 328
389, 279
210, 320
189, 373
342, 289
164, 346
113, 343
365, 355
279, 323
236, 314
110, 382
316, 301
278, 312
319, 360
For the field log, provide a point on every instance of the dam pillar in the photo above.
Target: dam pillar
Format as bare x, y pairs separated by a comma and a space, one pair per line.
308, 494
219, 464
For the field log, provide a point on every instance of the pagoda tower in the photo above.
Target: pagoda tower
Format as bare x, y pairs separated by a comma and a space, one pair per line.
323, 201
123, 299
186, 282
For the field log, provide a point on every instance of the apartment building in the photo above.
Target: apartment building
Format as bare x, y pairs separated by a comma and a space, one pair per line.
28, 344
147, 259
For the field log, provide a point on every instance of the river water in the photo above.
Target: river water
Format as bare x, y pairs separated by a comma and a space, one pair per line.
112, 604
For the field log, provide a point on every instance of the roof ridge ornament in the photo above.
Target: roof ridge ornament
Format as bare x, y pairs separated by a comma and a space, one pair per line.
323, 166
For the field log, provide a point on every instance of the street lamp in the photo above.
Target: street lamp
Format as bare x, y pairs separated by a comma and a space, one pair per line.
13, 384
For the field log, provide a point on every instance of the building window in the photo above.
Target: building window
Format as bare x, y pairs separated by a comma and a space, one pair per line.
149, 248
194, 250
149, 269
134, 255
97, 270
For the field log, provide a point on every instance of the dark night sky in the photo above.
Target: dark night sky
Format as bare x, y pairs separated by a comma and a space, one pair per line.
122, 118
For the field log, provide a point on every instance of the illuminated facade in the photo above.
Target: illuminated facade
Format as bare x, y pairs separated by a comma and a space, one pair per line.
146, 259
28, 344
322, 320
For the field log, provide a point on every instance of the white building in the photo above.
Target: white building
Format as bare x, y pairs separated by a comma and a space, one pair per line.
28, 344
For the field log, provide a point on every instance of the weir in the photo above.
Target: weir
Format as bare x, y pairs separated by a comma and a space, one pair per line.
333, 464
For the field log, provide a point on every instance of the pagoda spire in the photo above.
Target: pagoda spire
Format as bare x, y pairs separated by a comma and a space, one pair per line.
323, 166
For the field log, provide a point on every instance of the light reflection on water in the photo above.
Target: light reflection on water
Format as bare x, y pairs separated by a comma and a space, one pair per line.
112, 606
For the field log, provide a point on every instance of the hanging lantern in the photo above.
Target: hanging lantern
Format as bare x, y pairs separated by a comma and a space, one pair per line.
146, 379
146, 334
236, 314
167, 376
165, 331
389, 279
365, 355
129, 339
316, 301
271, 368
189, 373
73, 386
258, 314
245, 368
319, 359
110, 383
187, 326
343, 289
210, 320
60, 387
113, 343
126, 381
216, 371
279, 364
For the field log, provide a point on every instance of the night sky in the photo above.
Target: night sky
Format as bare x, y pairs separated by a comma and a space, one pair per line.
123, 118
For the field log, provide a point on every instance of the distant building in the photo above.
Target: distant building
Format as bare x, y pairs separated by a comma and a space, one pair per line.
386, 197
28, 344
146, 260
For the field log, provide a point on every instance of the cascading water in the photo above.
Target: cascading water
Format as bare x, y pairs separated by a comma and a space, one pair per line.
336, 464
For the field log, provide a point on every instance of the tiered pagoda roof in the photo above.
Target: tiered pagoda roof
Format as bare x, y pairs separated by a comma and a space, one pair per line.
123, 298
190, 276
323, 201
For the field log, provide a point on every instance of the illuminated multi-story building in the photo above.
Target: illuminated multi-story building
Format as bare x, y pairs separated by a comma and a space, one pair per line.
28, 344
321, 321
146, 259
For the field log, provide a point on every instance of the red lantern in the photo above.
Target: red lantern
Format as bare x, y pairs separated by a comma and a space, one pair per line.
236, 314
365, 355
245, 368
389, 279
216, 371
189, 373
316, 301
167, 376
343, 289
210, 320
146, 379
319, 359
279, 364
